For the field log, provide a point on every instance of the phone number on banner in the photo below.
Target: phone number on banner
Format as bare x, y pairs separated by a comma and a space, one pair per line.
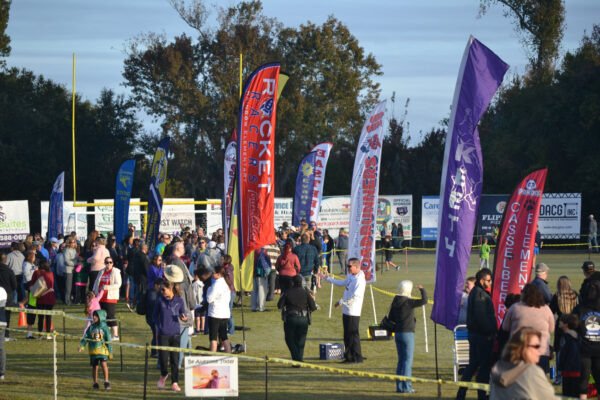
11, 237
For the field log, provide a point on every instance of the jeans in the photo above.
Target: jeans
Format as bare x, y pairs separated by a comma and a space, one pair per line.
2, 353
593, 241
343, 259
20, 289
259, 294
184, 342
68, 287
230, 323
480, 356
405, 346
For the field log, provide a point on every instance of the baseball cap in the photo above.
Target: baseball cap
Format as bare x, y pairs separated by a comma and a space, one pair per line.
588, 266
541, 268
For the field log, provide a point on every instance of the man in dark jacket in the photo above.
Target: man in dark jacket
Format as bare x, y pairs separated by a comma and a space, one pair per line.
481, 322
8, 281
589, 293
541, 274
140, 270
309, 259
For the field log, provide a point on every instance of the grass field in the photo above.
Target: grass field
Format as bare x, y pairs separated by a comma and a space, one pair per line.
29, 363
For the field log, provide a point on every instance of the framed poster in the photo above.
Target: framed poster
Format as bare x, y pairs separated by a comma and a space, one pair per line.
211, 376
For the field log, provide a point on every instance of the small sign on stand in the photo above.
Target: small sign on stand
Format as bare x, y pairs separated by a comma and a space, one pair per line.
211, 376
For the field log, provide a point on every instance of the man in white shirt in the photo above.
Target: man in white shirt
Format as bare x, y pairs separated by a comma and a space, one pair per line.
351, 303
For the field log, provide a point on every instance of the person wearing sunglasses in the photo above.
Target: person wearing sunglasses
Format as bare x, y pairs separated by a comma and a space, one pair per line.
109, 280
516, 375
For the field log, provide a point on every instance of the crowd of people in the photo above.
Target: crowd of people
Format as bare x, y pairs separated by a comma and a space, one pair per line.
184, 287
504, 355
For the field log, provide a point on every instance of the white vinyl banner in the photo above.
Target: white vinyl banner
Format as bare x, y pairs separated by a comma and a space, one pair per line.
322, 150
365, 189
175, 215
335, 214
560, 216
430, 208
69, 216
103, 216
14, 221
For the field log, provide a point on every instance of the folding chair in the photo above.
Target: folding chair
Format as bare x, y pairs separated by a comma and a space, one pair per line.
460, 348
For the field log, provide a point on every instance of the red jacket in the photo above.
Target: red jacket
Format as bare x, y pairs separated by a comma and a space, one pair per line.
288, 264
49, 299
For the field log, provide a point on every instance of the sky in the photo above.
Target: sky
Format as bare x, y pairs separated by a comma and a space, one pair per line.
418, 43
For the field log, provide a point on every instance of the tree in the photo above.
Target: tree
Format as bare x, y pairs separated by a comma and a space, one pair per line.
4, 38
548, 124
35, 132
192, 87
541, 26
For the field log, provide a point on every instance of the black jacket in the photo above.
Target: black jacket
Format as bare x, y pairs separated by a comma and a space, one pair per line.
296, 301
481, 317
403, 313
589, 291
9, 282
569, 357
140, 266
589, 328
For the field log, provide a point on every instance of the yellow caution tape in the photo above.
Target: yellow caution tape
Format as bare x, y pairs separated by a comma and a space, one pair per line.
267, 359
394, 294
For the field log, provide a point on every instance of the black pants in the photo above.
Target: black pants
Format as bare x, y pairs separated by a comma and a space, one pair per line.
93, 276
7, 314
352, 351
41, 318
570, 387
20, 290
589, 365
480, 360
172, 356
295, 329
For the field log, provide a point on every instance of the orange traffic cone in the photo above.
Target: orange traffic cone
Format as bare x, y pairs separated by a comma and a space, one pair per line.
51, 325
22, 319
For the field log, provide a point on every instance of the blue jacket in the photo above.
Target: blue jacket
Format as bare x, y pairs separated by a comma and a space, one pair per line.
309, 258
166, 315
543, 285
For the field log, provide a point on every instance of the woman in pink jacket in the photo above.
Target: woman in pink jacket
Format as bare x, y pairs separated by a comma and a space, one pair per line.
96, 261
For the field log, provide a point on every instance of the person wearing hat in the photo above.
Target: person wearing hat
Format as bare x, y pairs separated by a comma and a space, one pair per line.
592, 234
178, 273
402, 313
541, 276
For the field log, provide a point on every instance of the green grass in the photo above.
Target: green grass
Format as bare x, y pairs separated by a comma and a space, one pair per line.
29, 363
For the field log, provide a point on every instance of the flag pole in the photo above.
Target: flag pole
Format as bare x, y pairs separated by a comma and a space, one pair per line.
73, 136
240, 259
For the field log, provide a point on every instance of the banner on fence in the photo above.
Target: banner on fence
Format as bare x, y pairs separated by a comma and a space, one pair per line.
513, 258
490, 213
176, 215
104, 216
560, 216
78, 225
211, 376
335, 214
14, 221
430, 208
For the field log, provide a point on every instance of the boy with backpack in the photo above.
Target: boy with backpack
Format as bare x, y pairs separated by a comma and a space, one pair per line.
97, 339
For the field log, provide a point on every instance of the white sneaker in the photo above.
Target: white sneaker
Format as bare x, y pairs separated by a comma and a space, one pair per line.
1, 377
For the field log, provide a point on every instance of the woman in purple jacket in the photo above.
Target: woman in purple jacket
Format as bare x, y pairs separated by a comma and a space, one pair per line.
169, 308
